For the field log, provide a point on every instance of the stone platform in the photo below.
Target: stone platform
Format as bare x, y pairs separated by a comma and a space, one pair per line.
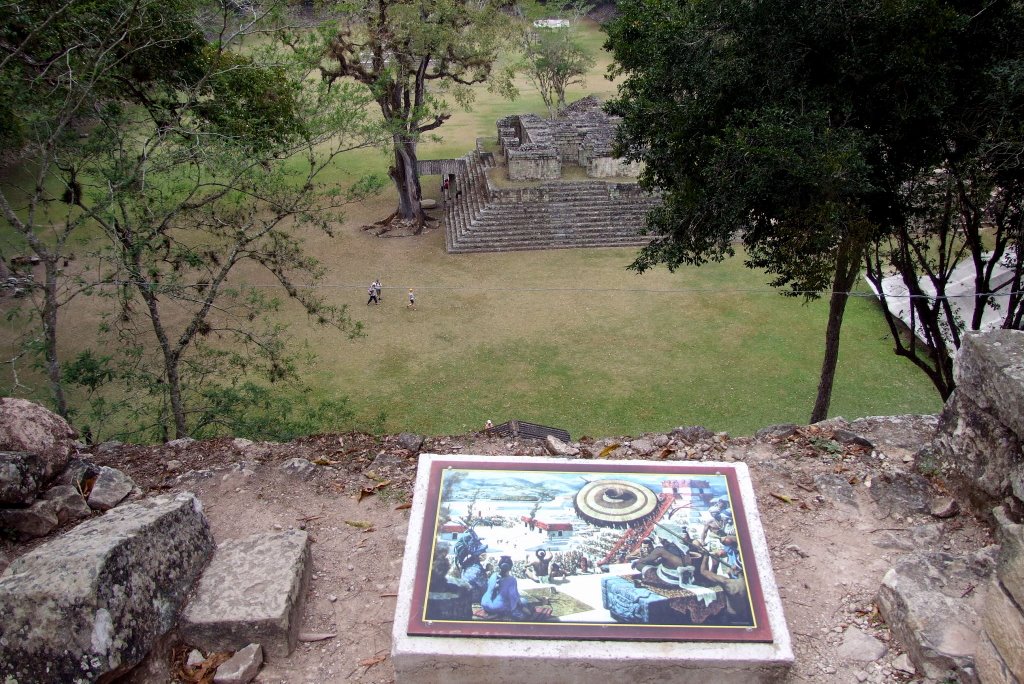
580, 628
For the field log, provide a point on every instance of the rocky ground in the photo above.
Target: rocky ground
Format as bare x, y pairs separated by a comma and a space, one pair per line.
839, 503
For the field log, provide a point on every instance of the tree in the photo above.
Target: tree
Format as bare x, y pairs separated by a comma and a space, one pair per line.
967, 214
792, 126
190, 178
60, 62
553, 60
410, 54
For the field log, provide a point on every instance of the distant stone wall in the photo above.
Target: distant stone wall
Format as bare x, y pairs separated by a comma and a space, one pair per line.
607, 167
542, 193
979, 447
438, 167
532, 162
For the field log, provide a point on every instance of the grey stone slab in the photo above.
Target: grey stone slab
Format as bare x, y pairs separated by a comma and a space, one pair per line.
69, 502
990, 370
465, 660
1004, 625
21, 477
240, 668
111, 488
926, 602
976, 451
859, 646
91, 602
38, 520
990, 666
1010, 567
252, 592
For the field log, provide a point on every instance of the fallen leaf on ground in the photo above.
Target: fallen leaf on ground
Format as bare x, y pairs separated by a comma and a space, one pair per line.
361, 524
666, 452
608, 449
782, 497
402, 507
370, 662
316, 636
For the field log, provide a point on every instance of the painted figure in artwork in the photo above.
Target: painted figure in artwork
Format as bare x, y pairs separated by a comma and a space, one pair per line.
501, 599
469, 549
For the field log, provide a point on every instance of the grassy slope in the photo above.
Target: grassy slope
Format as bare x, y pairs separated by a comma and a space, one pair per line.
569, 337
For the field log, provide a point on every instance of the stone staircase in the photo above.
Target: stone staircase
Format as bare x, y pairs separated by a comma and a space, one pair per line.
552, 215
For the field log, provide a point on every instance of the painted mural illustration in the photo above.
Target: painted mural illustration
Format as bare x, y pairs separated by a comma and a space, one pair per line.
587, 551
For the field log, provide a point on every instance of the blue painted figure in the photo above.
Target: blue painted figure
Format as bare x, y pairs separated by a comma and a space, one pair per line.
502, 600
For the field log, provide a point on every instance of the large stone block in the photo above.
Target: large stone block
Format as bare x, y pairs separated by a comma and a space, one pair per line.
25, 426
1004, 625
990, 666
925, 601
90, 603
1011, 554
977, 451
21, 477
253, 592
990, 370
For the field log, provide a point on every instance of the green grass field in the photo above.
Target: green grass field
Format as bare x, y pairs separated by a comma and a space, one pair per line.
568, 338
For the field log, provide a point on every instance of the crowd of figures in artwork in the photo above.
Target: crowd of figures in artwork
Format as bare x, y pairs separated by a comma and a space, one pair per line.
587, 548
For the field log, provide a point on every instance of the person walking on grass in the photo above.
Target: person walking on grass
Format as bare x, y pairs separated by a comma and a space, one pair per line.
412, 299
377, 289
374, 296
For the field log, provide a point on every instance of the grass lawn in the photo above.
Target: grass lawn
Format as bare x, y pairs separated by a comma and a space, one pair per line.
567, 338
570, 338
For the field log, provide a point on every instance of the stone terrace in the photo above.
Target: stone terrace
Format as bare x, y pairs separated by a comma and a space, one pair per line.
549, 215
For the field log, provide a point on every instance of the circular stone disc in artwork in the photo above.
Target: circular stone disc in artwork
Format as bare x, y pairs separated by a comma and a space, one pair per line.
615, 503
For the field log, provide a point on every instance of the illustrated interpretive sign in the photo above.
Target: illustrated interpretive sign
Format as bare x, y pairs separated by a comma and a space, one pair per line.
586, 550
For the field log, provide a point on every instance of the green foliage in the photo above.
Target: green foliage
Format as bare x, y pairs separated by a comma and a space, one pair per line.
792, 125
829, 446
258, 412
554, 60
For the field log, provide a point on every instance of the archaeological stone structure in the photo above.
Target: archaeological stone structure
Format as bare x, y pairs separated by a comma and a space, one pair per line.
543, 209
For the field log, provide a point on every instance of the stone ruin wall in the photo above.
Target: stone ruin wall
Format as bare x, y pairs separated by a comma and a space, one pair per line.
537, 148
979, 450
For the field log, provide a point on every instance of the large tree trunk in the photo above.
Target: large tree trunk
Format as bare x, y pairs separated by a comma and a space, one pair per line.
50, 307
847, 268
407, 181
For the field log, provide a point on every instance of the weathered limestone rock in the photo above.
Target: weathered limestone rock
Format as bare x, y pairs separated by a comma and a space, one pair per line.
1011, 554
990, 666
944, 507
22, 476
409, 441
242, 667
253, 591
922, 599
298, 467
111, 488
901, 493
92, 602
990, 370
976, 451
38, 520
25, 426
860, 646
691, 434
776, 432
69, 503
1004, 626
641, 446
557, 447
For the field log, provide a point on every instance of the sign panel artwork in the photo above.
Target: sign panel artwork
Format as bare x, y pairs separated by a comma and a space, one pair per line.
587, 551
